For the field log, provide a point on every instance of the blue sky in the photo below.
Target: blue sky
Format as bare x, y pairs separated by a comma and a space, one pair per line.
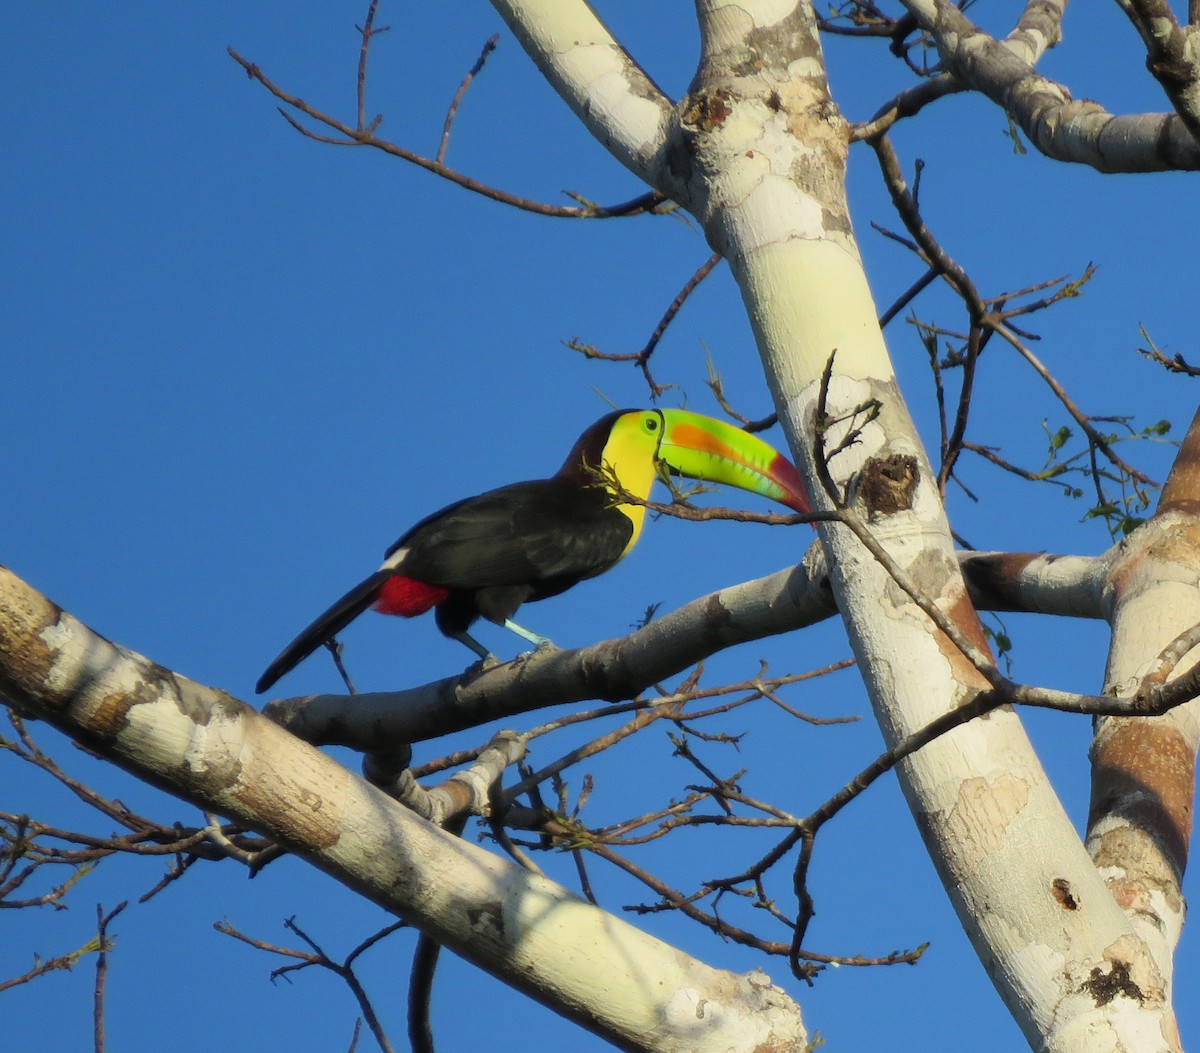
236, 364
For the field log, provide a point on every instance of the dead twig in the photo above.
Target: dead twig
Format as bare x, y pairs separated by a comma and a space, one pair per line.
315, 955
642, 358
488, 47
356, 136
105, 945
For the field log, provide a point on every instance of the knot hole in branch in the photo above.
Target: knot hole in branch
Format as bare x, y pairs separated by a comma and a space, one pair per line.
887, 484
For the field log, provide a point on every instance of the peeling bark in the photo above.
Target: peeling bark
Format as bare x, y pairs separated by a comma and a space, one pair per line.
1143, 771
757, 154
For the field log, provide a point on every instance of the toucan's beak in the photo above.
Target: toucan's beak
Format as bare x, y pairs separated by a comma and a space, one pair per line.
717, 452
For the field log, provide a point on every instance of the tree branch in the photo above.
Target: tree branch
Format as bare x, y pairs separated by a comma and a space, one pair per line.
215, 751
356, 136
1060, 127
608, 91
1172, 55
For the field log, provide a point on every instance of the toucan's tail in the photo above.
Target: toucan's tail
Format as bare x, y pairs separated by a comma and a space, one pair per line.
328, 625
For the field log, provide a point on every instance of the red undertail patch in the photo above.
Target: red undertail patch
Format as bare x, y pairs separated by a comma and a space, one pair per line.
408, 598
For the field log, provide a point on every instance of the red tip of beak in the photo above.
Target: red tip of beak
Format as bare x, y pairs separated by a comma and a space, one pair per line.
783, 473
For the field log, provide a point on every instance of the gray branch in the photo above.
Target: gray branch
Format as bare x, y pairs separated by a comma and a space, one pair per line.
1063, 128
621, 668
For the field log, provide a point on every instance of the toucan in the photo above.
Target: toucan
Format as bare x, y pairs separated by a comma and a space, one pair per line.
484, 556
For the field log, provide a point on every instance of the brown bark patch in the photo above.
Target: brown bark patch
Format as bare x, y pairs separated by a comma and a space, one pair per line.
26, 656
1106, 984
1181, 493
1144, 772
887, 484
995, 579
962, 612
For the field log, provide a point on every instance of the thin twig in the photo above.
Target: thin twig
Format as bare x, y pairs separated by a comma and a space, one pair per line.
317, 956
907, 297
105, 944
488, 47
642, 358
717, 386
368, 31
651, 202
1084, 422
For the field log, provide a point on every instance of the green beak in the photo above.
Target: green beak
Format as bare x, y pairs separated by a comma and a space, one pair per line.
717, 452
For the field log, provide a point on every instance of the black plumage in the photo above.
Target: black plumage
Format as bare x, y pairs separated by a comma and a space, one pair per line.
486, 555
483, 557
509, 546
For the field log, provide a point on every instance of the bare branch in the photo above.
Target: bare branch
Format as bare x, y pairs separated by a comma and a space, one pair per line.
1176, 364
642, 358
1094, 437
1059, 126
1172, 55
64, 962
316, 956
353, 136
717, 386
368, 30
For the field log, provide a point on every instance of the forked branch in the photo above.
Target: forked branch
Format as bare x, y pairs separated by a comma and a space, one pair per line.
362, 134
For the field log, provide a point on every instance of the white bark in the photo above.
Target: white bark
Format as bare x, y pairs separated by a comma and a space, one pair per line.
1038, 28
758, 157
596, 77
220, 754
1038, 583
1143, 779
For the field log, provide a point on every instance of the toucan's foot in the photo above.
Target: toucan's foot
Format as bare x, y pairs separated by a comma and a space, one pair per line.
477, 668
541, 649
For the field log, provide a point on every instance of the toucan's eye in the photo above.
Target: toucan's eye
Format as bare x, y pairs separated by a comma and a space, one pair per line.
652, 424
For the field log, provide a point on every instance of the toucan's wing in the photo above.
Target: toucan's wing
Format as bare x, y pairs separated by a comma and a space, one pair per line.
526, 533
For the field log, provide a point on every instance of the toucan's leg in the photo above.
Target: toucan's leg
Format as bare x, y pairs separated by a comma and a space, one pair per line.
466, 638
525, 634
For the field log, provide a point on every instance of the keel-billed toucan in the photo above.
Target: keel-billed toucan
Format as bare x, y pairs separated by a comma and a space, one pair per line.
486, 555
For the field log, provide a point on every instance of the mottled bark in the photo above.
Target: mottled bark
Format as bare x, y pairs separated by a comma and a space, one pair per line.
218, 753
